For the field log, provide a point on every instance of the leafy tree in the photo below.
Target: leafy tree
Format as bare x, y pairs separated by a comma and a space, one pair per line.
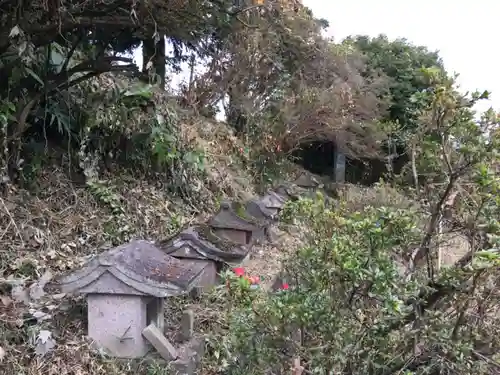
286, 85
402, 62
283, 79
50, 67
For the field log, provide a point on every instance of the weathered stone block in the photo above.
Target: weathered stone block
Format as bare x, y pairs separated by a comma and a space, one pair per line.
187, 326
160, 342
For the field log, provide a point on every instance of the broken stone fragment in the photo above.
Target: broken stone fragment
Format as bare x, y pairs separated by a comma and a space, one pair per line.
160, 342
190, 356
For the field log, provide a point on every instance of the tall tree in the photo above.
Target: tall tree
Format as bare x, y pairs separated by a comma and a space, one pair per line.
402, 62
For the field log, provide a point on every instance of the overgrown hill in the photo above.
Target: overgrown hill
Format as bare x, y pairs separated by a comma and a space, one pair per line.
94, 152
54, 223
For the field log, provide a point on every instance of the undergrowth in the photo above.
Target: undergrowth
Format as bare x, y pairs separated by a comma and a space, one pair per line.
344, 305
88, 164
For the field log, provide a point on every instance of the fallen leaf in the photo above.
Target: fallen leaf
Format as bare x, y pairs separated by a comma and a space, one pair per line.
43, 347
20, 294
40, 315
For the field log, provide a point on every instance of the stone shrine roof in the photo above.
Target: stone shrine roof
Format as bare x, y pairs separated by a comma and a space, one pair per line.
306, 180
273, 200
139, 265
260, 209
289, 191
202, 242
228, 218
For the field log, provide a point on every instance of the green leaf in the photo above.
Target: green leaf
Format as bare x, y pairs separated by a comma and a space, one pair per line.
35, 76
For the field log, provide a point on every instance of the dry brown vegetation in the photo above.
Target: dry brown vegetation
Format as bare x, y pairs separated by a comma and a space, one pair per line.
58, 227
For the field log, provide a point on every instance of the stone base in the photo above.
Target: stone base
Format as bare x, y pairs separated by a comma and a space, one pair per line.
190, 355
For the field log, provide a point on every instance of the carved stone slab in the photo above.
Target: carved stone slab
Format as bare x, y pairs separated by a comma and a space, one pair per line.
139, 266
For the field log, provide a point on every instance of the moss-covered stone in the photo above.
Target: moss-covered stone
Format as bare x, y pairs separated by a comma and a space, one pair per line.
206, 233
240, 210
295, 191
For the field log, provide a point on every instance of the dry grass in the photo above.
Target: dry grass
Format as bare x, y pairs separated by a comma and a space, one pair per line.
62, 223
225, 154
266, 260
357, 197
54, 231
454, 246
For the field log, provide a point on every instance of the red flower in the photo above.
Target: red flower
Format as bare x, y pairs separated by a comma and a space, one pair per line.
285, 286
239, 271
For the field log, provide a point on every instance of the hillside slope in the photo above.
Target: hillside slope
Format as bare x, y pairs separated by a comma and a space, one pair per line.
55, 224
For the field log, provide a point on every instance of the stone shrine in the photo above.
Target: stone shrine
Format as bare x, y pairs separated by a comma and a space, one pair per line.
125, 289
307, 181
266, 208
234, 224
